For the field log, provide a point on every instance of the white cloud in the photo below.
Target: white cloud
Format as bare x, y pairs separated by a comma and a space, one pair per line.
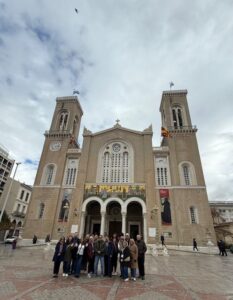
121, 56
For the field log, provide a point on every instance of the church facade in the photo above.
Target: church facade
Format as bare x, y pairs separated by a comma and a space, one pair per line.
119, 182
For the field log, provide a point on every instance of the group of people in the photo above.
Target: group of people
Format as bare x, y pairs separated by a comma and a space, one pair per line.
86, 254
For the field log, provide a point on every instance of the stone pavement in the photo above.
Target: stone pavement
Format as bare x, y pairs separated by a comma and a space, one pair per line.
26, 273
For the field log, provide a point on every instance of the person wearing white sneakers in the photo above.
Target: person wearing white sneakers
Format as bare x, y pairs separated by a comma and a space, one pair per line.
125, 260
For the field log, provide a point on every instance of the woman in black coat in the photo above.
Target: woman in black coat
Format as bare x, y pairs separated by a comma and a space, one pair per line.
58, 256
125, 260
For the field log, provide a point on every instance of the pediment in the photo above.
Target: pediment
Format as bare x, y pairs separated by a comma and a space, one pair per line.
118, 128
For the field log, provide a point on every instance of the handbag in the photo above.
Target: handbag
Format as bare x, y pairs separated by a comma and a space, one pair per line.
127, 259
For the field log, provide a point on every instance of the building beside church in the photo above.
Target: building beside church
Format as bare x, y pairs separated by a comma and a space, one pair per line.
6, 165
119, 182
17, 203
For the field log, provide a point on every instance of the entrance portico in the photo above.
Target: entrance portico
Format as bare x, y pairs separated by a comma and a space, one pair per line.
114, 216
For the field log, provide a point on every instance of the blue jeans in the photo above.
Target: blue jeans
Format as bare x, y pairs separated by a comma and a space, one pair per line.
66, 267
125, 272
97, 258
78, 265
133, 273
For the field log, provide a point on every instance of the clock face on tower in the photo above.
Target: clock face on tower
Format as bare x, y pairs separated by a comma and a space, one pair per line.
116, 147
55, 146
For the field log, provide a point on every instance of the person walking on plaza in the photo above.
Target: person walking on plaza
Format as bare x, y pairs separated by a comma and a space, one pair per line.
34, 240
58, 256
125, 260
194, 245
141, 256
223, 248
134, 258
14, 243
219, 247
162, 240
99, 249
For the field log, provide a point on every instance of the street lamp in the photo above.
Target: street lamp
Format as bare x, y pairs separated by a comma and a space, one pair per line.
8, 193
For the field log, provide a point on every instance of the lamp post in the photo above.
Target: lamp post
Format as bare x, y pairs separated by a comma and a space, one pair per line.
8, 193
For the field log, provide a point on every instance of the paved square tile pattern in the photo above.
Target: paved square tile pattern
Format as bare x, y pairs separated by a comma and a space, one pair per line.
26, 273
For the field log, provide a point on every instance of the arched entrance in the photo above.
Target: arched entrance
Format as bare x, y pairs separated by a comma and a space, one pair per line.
93, 218
113, 218
134, 219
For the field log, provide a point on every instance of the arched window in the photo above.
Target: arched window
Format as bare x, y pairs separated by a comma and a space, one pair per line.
49, 174
187, 174
177, 117
75, 122
162, 171
115, 163
63, 120
41, 210
193, 215
71, 172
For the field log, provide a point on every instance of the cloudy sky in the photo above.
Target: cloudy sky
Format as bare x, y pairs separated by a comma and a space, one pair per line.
120, 55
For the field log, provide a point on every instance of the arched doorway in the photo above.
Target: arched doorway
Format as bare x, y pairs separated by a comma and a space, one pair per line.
113, 218
134, 219
93, 218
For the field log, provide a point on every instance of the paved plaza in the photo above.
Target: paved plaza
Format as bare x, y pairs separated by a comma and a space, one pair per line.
26, 273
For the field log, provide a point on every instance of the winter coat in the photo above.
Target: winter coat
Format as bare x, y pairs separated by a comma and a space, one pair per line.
99, 247
141, 248
110, 249
59, 253
68, 253
90, 250
125, 257
134, 256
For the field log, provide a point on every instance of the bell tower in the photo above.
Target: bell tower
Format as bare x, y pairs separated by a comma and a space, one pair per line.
188, 197
48, 189
67, 117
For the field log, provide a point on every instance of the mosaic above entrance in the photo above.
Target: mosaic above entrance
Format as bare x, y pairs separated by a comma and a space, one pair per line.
121, 191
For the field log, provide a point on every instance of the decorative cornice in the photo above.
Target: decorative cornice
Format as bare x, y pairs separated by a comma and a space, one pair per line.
182, 187
182, 130
175, 92
58, 133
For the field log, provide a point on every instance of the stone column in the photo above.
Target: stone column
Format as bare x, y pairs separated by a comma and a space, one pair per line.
83, 216
123, 228
145, 227
102, 226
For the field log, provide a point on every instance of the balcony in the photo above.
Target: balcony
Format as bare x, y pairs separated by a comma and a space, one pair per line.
182, 129
18, 214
